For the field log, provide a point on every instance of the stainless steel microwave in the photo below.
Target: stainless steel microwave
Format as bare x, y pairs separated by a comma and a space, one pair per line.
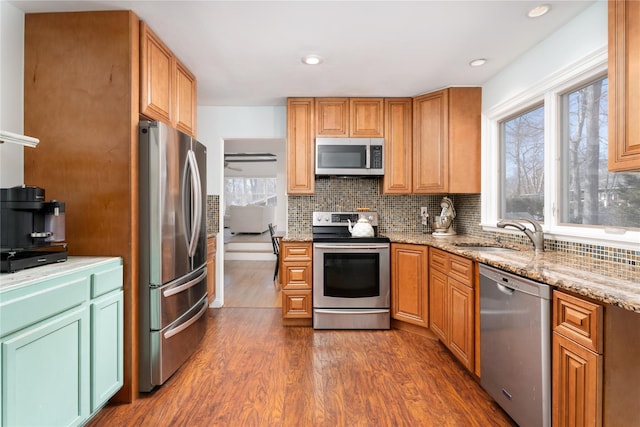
350, 156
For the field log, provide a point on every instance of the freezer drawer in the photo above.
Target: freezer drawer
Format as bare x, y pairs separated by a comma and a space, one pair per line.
172, 300
173, 345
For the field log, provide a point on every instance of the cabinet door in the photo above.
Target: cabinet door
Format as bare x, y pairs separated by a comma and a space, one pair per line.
211, 269
332, 117
156, 76
106, 348
397, 150
464, 144
366, 117
186, 93
438, 304
45, 372
624, 85
577, 384
430, 136
296, 304
409, 281
300, 146
460, 309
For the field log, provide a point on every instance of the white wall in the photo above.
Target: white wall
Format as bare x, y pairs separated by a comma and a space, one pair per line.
581, 36
216, 124
11, 93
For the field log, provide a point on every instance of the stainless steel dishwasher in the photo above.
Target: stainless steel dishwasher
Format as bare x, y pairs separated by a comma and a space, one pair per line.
515, 345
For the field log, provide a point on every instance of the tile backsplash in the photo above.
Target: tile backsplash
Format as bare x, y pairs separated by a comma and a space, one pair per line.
401, 213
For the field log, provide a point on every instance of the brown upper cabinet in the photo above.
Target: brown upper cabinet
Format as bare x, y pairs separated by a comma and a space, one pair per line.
167, 87
398, 171
446, 141
300, 146
350, 117
624, 85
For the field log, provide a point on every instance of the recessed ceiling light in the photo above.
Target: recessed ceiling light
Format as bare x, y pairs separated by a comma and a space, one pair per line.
312, 59
538, 11
478, 62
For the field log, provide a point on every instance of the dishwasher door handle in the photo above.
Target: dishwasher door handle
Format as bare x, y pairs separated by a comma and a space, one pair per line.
505, 289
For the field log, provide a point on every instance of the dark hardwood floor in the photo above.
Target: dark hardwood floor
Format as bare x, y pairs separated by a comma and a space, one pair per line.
252, 371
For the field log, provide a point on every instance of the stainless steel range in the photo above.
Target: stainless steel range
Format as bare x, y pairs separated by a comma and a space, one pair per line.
351, 275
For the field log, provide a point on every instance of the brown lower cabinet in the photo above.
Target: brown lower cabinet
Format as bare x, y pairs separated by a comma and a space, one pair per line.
297, 277
211, 268
452, 303
410, 284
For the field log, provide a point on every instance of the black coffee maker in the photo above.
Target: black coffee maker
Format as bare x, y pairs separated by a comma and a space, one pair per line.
32, 231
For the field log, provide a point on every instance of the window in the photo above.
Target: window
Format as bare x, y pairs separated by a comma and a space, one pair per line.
522, 145
590, 194
249, 191
545, 158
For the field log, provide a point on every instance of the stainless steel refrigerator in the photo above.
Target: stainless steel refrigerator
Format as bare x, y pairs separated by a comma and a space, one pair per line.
173, 250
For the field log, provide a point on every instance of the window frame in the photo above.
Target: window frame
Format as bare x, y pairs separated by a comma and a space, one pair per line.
548, 92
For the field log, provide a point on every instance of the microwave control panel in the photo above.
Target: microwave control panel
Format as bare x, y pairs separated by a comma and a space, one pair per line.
376, 157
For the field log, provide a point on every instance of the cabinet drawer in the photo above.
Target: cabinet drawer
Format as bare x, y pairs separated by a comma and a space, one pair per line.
296, 304
579, 320
51, 298
106, 281
461, 268
297, 275
438, 259
296, 252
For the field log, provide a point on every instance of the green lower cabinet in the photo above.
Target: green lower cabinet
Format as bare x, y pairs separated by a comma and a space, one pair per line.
61, 342
45, 372
106, 348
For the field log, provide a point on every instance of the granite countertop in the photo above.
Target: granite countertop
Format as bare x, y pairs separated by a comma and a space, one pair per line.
26, 277
605, 281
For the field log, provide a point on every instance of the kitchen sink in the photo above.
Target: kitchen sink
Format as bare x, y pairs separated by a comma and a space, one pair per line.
485, 248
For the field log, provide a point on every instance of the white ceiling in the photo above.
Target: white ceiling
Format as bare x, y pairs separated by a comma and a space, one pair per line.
247, 53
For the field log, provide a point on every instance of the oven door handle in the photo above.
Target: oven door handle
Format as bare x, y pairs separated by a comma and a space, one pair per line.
347, 246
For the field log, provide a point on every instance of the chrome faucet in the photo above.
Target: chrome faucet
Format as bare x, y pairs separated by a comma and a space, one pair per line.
536, 236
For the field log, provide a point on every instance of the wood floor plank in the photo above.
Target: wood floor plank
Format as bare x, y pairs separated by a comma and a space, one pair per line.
252, 371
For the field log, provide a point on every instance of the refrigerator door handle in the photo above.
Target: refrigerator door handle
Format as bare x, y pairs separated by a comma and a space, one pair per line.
172, 291
196, 213
186, 324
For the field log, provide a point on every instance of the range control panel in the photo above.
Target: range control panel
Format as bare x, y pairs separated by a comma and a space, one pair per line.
340, 218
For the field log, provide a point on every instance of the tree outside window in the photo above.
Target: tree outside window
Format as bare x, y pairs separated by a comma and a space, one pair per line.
590, 194
522, 190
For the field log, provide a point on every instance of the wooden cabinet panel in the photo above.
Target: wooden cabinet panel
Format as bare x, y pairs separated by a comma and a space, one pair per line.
332, 117
438, 304
98, 78
186, 95
296, 304
624, 85
577, 384
460, 310
297, 280
430, 151
156, 76
446, 141
300, 146
452, 308
366, 117
297, 275
398, 170
409, 284
211, 268
460, 268
578, 320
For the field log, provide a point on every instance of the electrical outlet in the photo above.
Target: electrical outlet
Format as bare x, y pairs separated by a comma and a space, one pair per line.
424, 215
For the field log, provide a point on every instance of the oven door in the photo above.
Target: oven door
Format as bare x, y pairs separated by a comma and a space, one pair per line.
351, 275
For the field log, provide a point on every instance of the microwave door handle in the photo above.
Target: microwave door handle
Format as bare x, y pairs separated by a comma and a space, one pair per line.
367, 157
